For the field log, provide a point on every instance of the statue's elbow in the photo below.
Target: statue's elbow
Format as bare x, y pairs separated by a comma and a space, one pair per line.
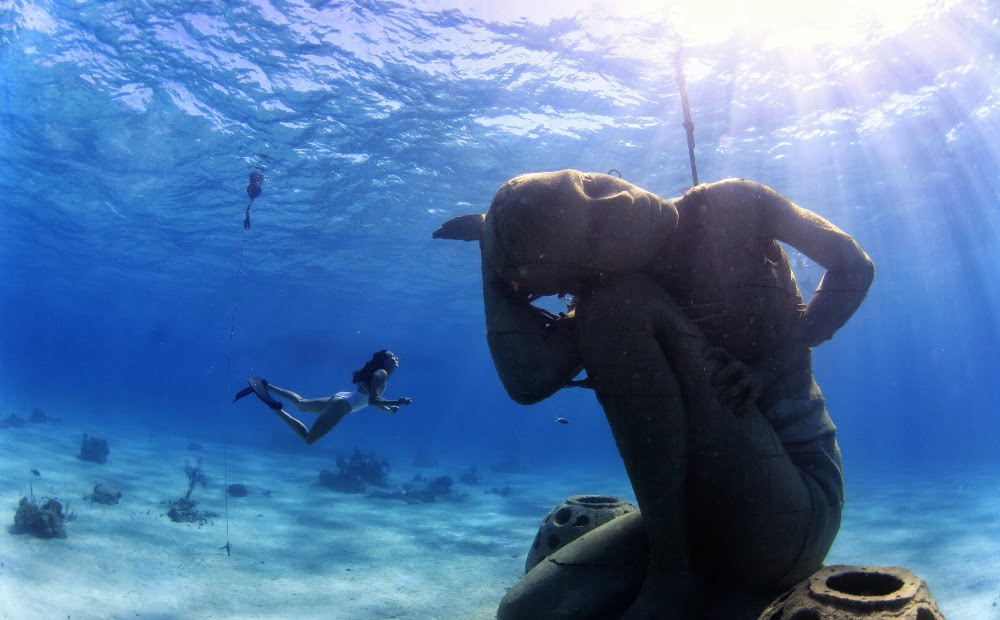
525, 389
526, 398
869, 271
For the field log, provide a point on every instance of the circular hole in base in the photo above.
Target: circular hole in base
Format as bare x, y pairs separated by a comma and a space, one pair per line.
864, 584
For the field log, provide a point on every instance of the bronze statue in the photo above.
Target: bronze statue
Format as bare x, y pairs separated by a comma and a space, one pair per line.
688, 321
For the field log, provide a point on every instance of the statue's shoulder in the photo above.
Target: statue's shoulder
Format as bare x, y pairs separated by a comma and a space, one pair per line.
728, 194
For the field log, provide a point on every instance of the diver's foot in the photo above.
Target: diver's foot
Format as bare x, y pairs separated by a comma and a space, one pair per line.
259, 386
666, 596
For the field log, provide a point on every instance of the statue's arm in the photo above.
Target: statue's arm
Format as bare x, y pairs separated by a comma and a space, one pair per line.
535, 354
849, 270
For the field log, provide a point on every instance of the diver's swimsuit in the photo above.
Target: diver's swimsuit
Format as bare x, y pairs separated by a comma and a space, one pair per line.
357, 399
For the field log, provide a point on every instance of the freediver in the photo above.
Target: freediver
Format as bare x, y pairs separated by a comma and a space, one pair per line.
370, 381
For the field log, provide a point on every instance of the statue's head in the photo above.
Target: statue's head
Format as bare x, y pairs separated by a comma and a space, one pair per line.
552, 232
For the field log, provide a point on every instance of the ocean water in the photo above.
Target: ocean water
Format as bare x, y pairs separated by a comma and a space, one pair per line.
133, 303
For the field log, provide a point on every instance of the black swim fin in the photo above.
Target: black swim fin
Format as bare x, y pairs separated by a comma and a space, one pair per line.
247, 391
258, 386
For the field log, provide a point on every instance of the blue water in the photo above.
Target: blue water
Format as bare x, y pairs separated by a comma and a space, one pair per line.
127, 130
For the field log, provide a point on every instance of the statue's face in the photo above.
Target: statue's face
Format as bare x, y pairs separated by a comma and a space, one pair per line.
552, 232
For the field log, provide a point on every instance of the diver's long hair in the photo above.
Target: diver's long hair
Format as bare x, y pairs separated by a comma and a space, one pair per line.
377, 362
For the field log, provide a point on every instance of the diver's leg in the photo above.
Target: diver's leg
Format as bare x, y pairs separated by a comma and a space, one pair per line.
643, 402
334, 412
300, 429
309, 405
331, 415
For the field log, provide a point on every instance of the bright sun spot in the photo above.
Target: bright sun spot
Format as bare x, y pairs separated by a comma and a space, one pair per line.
789, 23
774, 23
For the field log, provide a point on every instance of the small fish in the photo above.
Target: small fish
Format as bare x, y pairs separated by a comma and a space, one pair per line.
562, 420
36, 472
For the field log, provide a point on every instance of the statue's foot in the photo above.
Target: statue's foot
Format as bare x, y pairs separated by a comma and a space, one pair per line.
666, 596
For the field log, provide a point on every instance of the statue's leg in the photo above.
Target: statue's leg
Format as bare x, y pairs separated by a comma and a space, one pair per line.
642, 399
721, 497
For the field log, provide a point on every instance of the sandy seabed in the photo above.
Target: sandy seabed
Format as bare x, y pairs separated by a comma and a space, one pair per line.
300, 550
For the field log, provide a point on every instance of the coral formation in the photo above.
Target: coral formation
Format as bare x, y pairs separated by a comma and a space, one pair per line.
184, 509
45, 520
94, 449
105, 494
195, 475
237, 490
355, 473
469, 476
38, 416
420, 490
12, 421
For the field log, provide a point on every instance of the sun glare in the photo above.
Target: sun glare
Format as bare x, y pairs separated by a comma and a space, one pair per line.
790, 23
774, 23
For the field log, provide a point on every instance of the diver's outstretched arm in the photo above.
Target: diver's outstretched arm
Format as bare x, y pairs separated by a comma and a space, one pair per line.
376, 385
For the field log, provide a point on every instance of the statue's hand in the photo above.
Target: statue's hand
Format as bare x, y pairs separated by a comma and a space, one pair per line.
462, 228
734, 382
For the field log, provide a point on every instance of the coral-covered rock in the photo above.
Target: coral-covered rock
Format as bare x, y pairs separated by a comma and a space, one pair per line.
94, 450
45, 520
355, 473
105, 494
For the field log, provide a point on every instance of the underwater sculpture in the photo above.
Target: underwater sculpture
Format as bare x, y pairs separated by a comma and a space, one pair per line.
688, 320
571, 519
856, 593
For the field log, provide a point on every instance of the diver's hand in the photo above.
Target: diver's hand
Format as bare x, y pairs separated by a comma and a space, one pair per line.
462, 228
735, 384
404, 400
392, 409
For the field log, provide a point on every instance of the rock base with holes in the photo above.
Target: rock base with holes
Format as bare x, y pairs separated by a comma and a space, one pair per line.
856, 593
572, 519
